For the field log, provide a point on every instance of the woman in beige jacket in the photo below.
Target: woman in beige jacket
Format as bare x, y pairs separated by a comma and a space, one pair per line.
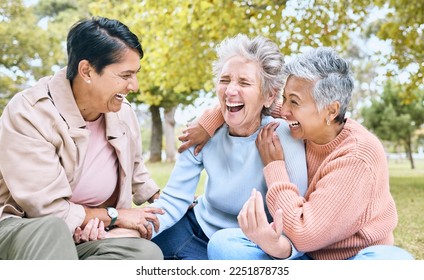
61, 196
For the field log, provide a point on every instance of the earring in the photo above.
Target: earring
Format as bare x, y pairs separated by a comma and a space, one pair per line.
88, 81
328, 121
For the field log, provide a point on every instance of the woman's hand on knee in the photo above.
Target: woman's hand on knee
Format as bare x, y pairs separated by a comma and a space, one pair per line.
143, 220
93, 230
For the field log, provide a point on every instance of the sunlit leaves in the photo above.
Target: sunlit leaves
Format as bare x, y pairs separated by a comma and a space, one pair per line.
178, 38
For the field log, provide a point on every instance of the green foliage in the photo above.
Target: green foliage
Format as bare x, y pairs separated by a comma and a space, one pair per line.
394, 118
321, 23
404, 28
60, 15
27, 50
178, 38
391, 117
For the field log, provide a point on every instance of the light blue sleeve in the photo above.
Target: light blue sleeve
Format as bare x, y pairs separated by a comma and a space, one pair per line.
178, 194
295, 253
295, 158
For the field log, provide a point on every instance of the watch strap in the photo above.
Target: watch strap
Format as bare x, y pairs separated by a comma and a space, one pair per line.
112, 218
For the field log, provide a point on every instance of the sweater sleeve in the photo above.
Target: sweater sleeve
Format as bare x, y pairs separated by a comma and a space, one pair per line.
211, 120
334, 210
276, 112
180, 189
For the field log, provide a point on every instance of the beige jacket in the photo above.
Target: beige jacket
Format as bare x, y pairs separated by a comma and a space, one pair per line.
43, 143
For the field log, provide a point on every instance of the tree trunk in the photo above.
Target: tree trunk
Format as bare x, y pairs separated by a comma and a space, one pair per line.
169, 130
409, 152
156, 137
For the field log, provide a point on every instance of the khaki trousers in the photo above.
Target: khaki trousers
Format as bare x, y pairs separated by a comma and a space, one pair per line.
48, 238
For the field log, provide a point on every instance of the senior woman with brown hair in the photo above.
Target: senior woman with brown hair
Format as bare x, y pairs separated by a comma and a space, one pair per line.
248, 78
347, 211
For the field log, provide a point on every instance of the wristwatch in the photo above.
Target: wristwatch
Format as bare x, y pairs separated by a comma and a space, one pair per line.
113, 214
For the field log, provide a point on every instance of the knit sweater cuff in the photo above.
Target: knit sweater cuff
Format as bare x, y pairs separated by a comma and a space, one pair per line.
275, 172
211, 120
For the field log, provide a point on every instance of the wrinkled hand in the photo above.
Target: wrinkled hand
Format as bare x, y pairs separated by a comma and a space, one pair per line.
93, 230
194, 134
269, 145
141, 220
253, 222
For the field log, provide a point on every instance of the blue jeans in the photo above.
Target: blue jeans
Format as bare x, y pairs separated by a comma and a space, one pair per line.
232, 244
183, 241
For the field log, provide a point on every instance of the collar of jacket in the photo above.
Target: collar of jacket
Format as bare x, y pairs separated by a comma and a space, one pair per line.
63, 98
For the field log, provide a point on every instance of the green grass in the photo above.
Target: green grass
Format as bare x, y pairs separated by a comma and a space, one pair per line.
161, 172
407, 187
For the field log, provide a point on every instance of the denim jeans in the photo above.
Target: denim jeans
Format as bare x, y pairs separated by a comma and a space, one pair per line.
183, 241
232, 244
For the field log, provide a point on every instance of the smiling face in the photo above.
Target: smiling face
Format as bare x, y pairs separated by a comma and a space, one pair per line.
106, 91
240, 96
300, 111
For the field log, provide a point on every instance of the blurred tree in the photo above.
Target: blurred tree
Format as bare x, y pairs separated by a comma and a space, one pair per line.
403, 26
178, 37
27, 50
364, 69
58, 16
390, 118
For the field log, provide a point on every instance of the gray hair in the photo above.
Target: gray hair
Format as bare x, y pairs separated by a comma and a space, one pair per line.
331, 73
260, 50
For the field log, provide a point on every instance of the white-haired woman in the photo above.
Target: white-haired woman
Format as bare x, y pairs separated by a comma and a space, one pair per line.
249, 78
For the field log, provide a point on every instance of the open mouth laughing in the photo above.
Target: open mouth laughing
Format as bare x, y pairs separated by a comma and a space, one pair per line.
120, 96
234, 106
294, 124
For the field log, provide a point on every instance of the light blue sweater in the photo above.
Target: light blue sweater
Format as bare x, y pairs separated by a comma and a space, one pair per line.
233, 167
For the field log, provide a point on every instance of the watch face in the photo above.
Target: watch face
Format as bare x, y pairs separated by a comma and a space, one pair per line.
112, 212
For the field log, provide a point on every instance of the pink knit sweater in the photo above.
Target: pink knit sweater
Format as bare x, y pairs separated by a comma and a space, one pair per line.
348, 205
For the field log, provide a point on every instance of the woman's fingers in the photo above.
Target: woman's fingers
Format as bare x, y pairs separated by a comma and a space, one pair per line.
93, 234
77, 235
260, 215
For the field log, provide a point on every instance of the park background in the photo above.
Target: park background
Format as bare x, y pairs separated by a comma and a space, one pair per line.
383, 40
